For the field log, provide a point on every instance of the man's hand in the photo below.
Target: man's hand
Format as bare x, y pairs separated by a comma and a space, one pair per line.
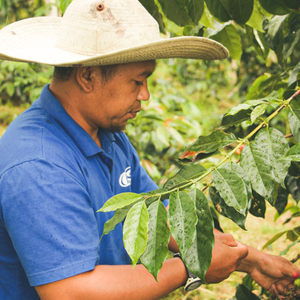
226, 257
273, 273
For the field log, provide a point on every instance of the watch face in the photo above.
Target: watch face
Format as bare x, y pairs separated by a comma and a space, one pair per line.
193, 284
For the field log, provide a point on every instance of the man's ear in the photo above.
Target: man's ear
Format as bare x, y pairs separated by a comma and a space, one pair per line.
85, 77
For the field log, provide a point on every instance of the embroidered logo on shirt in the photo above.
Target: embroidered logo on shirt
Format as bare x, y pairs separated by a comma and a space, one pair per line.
125, 178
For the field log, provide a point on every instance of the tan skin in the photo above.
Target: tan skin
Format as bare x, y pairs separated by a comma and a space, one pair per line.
93, 104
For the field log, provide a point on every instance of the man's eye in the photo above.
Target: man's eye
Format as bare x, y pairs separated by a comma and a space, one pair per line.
139, 82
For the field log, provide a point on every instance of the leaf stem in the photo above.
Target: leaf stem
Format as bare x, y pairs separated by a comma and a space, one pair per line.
200, 176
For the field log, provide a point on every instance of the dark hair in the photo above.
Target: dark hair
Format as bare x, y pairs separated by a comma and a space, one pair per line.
64, 73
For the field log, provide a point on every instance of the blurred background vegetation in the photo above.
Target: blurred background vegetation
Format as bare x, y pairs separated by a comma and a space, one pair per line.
189, 97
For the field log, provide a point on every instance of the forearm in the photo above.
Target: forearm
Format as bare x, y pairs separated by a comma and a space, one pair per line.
117, 282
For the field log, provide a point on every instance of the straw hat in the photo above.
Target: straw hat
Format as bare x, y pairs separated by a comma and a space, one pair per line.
99, 32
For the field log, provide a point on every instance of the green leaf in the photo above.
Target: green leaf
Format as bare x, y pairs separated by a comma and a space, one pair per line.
275, 25
291, 40
294, 4
278, 146
240, 10
230, 38
258, 111
207, 19
236, 119
256, 159
293, 186
281, 199
225, 210
176, 11
294, 74
212, 142
163, 135
154, 11
157, 250
198, 257
219, 9
176, 135
284, 252
256, 18
293, 154
275, 7
135, 230
195, 10
274, 238
258, 205
294, 118
183, 219
186, 173
63, 4
243, 292
242, 174
231, 188
117, 218
119, 201
257, 85
10, 89
271, 98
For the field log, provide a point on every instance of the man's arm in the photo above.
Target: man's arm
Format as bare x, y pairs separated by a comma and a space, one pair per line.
117, 282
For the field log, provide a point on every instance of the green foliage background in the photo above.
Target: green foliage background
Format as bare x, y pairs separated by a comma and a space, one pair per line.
189, 98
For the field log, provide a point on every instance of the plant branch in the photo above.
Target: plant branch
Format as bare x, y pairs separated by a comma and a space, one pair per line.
200, 176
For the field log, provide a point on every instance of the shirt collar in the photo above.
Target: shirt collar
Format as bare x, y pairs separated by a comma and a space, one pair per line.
81, 138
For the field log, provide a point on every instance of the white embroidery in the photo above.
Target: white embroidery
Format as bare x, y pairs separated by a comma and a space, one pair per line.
125, 178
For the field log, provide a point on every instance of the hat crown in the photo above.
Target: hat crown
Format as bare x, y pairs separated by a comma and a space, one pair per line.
91, 27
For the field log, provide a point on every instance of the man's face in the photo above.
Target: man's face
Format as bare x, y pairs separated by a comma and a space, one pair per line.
119, 99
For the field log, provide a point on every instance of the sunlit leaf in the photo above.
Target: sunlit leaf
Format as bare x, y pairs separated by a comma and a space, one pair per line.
183, 219
257, 160
212, 142
256, 18
156, 251
230, 38
119, 201
185, 173
278, 146
274, 238
293, 154
257, 112
135, 231
198, 257
231, 188
117, 218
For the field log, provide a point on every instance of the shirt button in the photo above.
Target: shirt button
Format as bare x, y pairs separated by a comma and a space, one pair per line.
106, 160
109, 150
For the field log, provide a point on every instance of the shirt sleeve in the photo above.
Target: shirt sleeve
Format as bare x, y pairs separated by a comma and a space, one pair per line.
47, 213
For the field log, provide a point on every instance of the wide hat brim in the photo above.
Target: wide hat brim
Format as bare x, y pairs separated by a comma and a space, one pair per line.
34, 40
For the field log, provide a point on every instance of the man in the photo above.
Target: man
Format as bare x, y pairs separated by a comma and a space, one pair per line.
64, 157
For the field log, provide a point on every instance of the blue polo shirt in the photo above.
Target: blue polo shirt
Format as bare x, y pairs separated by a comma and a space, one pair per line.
53, 179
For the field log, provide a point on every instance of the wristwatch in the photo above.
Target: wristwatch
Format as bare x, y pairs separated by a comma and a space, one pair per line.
193, 281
